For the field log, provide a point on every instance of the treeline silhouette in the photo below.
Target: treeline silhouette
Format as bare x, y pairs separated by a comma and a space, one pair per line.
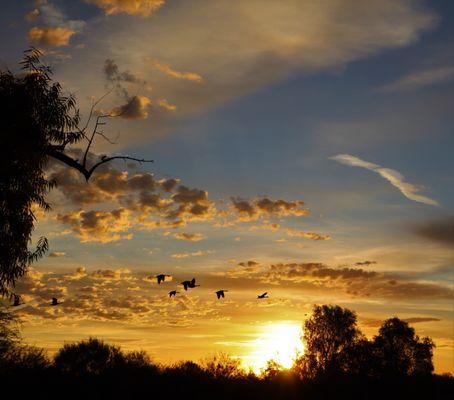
338, 362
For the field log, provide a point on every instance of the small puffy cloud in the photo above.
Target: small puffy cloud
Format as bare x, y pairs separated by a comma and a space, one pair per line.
307, 235
167, 70
192, 237
187, 255
252, 210
98, 226
111, 274
421, 79
141, 8
57, 254
439, 230
50, 36
136, 107
394, 177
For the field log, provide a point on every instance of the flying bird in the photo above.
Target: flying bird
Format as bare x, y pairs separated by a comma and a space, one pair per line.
189, 284
220, 293
263, 296
55, 302
173, 293
161, 278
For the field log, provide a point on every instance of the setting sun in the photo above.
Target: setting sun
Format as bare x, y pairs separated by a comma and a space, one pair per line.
280, 342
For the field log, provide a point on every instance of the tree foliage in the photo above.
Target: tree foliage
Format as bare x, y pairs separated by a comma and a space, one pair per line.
335, 346
329, 336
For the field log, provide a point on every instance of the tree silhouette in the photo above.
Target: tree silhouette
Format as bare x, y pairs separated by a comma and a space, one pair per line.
329, 335
38, 123
91, 356
401, 352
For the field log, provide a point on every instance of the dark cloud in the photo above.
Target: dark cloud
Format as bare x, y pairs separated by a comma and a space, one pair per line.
439, 230
365, 263
416, 320
355, 282
251, 210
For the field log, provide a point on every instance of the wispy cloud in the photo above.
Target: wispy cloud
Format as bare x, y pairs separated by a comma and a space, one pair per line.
418, 79
396, 179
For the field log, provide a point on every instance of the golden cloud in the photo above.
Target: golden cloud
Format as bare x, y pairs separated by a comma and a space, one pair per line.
167, 70
141, 8
50, 36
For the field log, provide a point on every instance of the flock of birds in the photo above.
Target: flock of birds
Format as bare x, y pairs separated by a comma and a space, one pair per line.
191, 285
17, 300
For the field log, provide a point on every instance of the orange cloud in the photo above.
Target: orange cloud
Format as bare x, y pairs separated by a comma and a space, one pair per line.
50, 36
167, 70
141, 8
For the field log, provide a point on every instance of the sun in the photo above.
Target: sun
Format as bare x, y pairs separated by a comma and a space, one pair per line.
280, 342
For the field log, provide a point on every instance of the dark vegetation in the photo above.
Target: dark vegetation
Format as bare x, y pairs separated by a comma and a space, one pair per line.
339, 362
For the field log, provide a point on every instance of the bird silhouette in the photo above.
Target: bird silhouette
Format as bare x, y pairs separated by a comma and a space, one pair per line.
220, 293
263, 296
55, 302
161, 278
173, 293
17, 300
189, 284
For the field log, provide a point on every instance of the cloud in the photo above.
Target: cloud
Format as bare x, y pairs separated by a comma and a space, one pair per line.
192, 237
308, 235
419, 79
57, 254
252, 210
55, 29
113, 73
136, 107
167, 70
365, 263
105, 295
416, 320
439, 230
396, 179
163, 103
271, 43
98, 226
353, 282
141, 8
197, 253
50, 37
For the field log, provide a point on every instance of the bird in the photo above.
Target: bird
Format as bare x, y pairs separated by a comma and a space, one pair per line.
220, 293
54, 302
189, 284
173, 293
161, 278
263, 296
17, 300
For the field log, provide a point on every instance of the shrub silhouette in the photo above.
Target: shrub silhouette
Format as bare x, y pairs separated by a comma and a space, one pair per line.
88, 357
222, 365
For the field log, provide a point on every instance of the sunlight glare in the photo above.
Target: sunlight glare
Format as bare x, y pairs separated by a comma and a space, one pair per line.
280, 342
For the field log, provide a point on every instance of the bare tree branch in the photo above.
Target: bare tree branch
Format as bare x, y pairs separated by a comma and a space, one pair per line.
88, 172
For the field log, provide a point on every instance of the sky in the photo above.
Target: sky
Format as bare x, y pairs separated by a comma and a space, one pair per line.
301, 148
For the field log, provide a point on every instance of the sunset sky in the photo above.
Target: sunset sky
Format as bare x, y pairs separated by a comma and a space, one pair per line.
301, 148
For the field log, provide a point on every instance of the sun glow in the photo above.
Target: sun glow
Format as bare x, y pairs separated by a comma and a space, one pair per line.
279, 342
